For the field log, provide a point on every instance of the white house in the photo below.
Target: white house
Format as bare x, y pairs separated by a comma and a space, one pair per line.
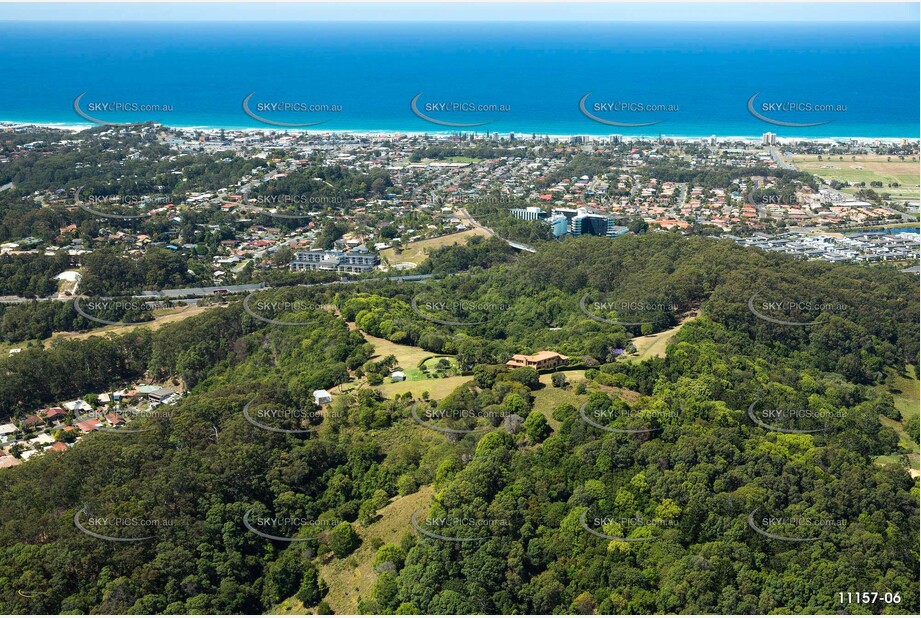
77, 405
6, 429
322, 397
397, 376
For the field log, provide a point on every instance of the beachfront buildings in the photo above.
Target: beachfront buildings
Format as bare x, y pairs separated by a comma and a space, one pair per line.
357, 260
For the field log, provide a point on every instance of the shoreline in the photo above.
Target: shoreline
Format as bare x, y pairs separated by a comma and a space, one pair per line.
524, 136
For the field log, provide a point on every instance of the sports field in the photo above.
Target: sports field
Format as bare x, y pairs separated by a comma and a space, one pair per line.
867, 168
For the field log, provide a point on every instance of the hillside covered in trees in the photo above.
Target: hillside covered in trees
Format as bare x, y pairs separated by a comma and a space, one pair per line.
739, 473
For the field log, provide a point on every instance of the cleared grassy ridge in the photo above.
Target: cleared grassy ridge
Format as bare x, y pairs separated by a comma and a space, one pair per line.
650, 346
408, 356
549, 397
161, 317
408, 359
905, 392
354, 576
437, 388
416, 252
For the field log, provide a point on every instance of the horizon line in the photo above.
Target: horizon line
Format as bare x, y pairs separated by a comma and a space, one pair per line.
424, 20
529, 11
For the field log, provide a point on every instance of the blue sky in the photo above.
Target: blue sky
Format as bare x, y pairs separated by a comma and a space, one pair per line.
458, 11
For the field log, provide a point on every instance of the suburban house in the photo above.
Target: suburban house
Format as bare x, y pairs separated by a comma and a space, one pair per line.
8, 461
7, 429
30, 421
90, 424
115, 419
126, 394
540, 361
322, 397
77, 405
162, 395
53, 414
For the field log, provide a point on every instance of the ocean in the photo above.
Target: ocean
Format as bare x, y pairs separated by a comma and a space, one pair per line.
689, 79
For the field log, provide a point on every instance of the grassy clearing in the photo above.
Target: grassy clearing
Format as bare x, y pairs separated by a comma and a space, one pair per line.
290, 606
866, 168
408, 359
354, 576
408, 356
161, 318
549, 397
21, 345
905, 392
437, 388
649, 346
907, 443
416, 252
431, 365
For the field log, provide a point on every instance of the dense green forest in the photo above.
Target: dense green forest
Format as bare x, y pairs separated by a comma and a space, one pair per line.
31, 275
649, 508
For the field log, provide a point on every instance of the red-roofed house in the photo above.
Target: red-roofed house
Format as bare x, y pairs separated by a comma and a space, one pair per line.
32, 421
8, 461
115, 419
89, 425
53, 414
